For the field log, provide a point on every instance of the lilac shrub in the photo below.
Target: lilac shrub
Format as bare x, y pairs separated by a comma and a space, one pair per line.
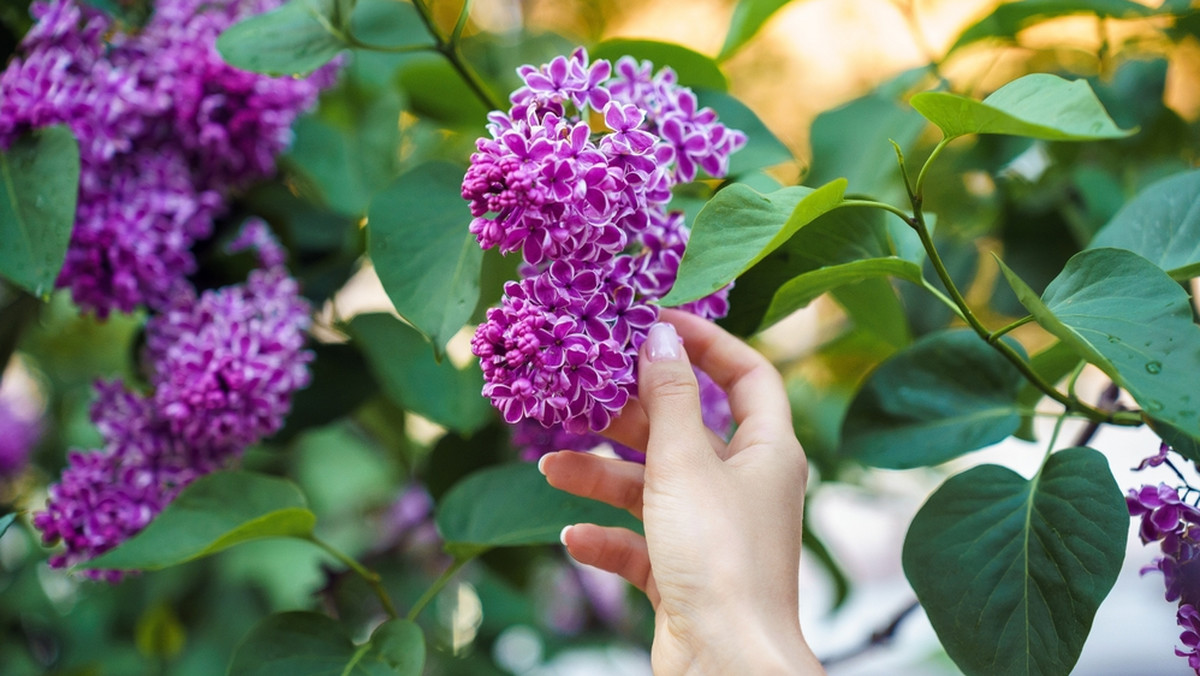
587, 210
1175, 525
166, 130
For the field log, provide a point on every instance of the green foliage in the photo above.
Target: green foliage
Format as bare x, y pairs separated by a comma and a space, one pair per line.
512, 505
738, 228
1124, 314
693, 68
409, 374
40, 175
6, 522
748, 17
159, 633
763, 149
1037, 106
295, 39
312, 644
213, 513
1011, 571
427, 259
1010, 18
946, 394
1162, 224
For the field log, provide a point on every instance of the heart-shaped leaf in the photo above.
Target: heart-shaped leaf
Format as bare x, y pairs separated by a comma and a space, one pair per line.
1011, 571
295, 39
1037, 106
39, 186
311, 644
1124, 314
692, 68
944, 395
738, 228
1162, 223
406, 368
213, 513
748, 17
426, 258
512, 505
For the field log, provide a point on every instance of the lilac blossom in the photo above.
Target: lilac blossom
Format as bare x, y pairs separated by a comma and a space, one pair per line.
19, 433
1175, 525
166, 130
223, 366
588, 212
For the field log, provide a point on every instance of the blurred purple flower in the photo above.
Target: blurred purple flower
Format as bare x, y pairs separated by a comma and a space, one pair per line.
19, 433
166, 129
1189, 619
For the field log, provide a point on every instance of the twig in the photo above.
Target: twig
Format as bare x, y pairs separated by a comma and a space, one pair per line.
879, 638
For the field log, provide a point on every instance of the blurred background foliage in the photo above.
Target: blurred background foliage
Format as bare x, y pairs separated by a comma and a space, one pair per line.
829, 79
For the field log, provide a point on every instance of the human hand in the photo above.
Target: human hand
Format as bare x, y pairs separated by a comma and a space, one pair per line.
723, 521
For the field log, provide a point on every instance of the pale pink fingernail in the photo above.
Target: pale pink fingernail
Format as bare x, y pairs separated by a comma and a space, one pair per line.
562, 536
542, 464
662, 343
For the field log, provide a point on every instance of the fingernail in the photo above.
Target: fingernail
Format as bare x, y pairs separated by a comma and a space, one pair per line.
542, 464
662, 343
562, 536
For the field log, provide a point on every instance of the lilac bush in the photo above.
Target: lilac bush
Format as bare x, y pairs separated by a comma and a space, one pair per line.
588, 212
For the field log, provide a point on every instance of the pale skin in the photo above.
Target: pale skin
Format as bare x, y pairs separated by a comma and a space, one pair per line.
720, 558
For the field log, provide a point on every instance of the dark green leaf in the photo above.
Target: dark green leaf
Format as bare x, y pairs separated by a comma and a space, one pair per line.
738, 228
512, 505
1052, 364
341, 382
405, 366
1037, 106
837, 575
436, 91
946, 394
1162, 224
1011, 571
802, 290
1124, 314
40, 174
311, 644
6, 522
763, 149
213, 513
350, 162
1010, 18
852, 142
424, 254
388, 23
748, 17
295, 39
693, 68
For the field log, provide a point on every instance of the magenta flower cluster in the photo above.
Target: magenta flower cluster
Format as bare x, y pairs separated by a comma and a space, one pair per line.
166, 129
1175, 525
223, 366
587, 209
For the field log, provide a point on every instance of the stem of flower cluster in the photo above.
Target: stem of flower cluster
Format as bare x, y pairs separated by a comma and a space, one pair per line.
436, 587
449, 48
371, 577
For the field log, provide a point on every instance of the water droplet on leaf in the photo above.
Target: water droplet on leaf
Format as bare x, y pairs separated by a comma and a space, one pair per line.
1154, 367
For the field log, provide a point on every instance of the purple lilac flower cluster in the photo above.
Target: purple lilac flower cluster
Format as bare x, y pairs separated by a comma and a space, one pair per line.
165, 129
1174, 524
588, 212
223, 366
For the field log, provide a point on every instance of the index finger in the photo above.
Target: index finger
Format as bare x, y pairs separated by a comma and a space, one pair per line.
755, 388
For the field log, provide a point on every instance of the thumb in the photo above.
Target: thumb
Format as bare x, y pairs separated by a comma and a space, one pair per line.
670, 396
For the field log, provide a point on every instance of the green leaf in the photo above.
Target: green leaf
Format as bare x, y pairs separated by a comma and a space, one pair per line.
512, 505
349, 160
852, 141
6, 522
693, 68
1124, 314
1010, 18
1162, 224
946, 394
1037, 106
748, 17
739, 227
40, 172
436, 91
213, 513
763, 149
295, 39
424, 254
804, 289
1011, 571
405, 366
159, 634
1052, 364
311, 644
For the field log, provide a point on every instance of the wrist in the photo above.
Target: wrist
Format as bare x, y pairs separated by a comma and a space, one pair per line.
767, 650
